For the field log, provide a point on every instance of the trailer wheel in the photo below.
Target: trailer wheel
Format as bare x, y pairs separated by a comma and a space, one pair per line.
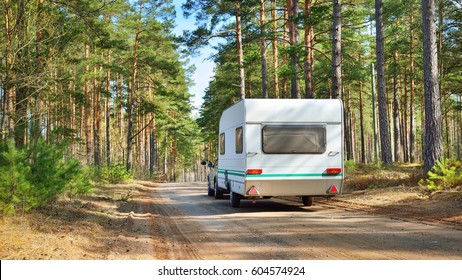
307, 200
234, 199
218, 193
210, 191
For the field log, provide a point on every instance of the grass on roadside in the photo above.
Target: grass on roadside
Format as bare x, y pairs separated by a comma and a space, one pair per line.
363, 177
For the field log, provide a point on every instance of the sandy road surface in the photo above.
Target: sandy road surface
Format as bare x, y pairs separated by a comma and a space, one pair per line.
195, 226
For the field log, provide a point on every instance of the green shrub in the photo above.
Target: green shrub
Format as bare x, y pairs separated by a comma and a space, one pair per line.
14, 186
80, 184
37, 176
115, 173
350, 166
444, 175
51, 172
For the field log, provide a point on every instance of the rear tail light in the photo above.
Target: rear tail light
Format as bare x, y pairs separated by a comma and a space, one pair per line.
333, 171
254, 171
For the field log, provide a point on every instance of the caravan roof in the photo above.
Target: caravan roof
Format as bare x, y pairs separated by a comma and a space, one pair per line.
284, 110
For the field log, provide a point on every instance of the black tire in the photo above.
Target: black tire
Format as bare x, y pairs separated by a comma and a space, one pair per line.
307, 200
210, 190
217, 193
234, 199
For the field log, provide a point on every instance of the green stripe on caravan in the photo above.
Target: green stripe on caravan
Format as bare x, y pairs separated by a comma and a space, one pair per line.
232, 172
242, 174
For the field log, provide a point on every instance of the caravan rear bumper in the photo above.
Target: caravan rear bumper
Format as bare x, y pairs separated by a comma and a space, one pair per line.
271, 184
293, 187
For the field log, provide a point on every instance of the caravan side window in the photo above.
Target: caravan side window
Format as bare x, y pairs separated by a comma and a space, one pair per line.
222, 144
239, 140
295, 139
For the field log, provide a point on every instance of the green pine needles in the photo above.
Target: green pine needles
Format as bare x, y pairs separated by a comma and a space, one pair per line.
444, 175
36, 176
115, 173
15, 189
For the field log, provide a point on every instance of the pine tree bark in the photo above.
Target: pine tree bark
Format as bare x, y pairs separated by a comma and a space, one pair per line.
337, 50
348, 127
285, 41
87, 108
361, 123
292, 8
10, 97
433, 123
131, 99
274, 45
96, 116
151, 134
411, 88
120, 116
22, 90
308, 63
108, 110
396, 118
72, 107
405, 118
240, 52
386, 155
264, 68
441, 25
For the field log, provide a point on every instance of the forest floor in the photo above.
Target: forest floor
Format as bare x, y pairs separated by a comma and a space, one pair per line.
396, 192
125, 221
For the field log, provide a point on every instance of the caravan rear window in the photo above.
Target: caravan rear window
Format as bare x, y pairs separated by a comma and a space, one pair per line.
299, 139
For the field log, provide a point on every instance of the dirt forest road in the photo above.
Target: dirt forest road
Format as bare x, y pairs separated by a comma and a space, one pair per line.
191, 225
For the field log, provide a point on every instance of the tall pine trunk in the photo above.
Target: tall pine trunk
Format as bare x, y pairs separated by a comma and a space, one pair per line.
433, 124
348, 127
87, 108
72, 125
411, 87
274, 45
285, 40
386, 155
361, 123
22, 89
441, 73
240, 52
131, 100
337, 50
107, 106
405, 117
151, 134
264, 70
10, 96
292, 8
396, 118
96, 117
308, 63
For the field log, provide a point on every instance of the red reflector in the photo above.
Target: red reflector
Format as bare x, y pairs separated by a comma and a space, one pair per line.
332, 189
254, 171
333, 171
253, 191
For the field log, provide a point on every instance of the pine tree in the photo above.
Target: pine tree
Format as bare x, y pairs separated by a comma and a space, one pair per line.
433, 128
337, 50
382, 98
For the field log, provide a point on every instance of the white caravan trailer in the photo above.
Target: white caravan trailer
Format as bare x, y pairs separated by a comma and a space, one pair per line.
280, 147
